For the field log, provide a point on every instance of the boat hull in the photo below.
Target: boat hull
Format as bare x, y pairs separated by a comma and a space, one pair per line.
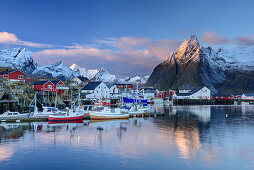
94, 116
69, 121
65, 118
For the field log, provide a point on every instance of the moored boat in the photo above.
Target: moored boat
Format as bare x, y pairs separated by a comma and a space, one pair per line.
70, 117
13, 115
104, 113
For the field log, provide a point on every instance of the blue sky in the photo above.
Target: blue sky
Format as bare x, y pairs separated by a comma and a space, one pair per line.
126, 37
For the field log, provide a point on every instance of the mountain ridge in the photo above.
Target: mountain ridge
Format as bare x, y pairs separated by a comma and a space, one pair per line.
194, 65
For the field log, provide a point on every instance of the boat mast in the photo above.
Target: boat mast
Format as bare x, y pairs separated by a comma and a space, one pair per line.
56, 100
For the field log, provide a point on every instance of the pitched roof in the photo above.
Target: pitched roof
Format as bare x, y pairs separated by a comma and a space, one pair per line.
183, 94
55, 82
82, 78
39, 82
7, 71
186, 88
194, 90
92, 85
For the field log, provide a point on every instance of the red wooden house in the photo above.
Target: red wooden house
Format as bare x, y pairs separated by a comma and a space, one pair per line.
48, 86
13, 75
43, 86
58, 84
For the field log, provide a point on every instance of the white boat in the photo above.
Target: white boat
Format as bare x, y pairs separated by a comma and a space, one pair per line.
103, 113
46, 112
138, 109
13, 115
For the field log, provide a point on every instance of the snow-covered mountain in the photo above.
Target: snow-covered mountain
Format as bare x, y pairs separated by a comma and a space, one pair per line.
57, 70
105, 76
18, 58
88, 73
22, 60
222, 70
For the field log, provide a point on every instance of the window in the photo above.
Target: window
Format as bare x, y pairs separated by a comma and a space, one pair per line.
5, 76
50, 86
20, 76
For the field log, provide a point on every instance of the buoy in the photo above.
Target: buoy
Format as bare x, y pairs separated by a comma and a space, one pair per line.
142, 115
134, 116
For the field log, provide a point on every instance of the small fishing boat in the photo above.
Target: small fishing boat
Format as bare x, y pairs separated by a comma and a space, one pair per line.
137, 109
103, 113
46, 112
70, 117
13, 115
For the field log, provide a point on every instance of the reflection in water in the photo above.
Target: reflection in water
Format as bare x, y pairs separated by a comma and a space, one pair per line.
203, 112
189, 137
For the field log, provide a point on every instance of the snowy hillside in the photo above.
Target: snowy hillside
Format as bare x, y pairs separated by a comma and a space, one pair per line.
21, 59
105, 76
88, 73
57, 70
17, 58
220, 69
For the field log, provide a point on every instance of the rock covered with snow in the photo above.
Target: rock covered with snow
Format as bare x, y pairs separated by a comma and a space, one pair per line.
88, 73
18, 58
57, 70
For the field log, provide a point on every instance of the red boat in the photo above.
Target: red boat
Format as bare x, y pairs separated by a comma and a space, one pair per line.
70, 117
68, 121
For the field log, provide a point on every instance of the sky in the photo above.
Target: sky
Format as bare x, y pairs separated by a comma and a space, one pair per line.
126, 37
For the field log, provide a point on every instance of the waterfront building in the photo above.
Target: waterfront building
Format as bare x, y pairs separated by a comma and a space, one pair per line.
96, 90
222, 96
193, 93
13, 75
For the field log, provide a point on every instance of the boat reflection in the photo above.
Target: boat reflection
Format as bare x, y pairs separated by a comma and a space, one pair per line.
202, 112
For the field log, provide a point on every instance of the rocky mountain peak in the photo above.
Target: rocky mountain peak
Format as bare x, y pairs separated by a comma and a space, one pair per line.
188, 50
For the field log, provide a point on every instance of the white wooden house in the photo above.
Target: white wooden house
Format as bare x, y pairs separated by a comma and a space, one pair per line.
96, 90
193, 93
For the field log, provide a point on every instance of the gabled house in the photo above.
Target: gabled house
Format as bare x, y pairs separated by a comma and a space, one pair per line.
48, 85
13, 75
193, 93
96, 90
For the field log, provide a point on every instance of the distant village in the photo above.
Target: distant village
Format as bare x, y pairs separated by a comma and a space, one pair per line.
17, 91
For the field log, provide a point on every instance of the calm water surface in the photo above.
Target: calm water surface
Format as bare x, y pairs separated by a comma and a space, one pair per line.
189, 137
